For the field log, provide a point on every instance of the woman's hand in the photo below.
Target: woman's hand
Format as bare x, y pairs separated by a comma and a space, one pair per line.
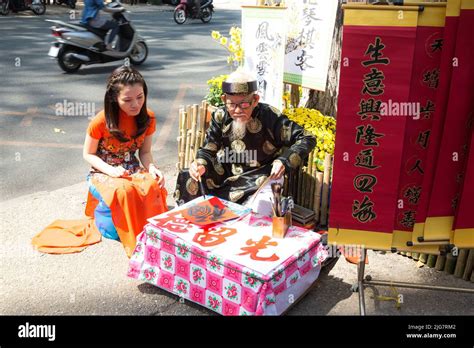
156, 174
117, 172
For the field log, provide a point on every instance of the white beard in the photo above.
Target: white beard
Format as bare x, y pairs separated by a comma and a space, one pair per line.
238, 130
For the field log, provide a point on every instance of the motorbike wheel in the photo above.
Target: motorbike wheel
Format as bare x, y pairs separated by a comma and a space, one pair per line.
179, 16
139, 53
5, 8
206, 15
65, 64
38, 9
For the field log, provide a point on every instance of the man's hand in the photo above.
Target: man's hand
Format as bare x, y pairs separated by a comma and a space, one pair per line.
196, 170
156, 174
278, 169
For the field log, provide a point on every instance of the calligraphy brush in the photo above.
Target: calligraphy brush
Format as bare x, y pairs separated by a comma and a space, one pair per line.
259, 189
273, 206
277, 189
201, 186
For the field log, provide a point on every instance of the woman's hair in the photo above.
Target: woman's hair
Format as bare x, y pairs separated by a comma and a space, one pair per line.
123, 76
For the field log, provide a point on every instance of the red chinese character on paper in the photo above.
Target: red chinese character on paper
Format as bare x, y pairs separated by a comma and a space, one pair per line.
173, 223
213, 236
255, 247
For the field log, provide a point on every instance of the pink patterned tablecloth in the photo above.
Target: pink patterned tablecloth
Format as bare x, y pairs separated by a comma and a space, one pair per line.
234, 268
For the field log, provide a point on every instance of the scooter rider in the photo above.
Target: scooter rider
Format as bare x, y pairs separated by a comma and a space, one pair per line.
196, 6
91, 15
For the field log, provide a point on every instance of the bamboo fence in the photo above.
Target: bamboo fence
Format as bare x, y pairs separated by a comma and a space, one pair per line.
193, 122
458, 262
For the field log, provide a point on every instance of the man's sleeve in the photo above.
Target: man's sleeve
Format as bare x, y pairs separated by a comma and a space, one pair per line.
213, 140
299, 142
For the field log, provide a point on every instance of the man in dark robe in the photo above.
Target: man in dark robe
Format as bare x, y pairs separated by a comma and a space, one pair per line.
247, 142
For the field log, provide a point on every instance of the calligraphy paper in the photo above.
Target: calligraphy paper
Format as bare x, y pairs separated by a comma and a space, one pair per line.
210, 211
308, 43
264, 37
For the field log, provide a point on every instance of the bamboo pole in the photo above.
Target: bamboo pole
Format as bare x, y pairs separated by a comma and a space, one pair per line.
300, 184
285, 185
294, 185
317, 195
415, 256
189, 111
180, 138
409, 254
182, 149
423, 258
308, 192
431, 261
325, 193
314, 171
469, 265
305, 190
202, 119
187, 158
440, 261
197, 141
450, 263
461, 263
192, 145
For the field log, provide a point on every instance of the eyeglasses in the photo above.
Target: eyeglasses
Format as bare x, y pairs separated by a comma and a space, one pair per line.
243, 105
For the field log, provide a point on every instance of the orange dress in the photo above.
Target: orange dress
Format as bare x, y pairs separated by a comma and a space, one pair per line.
131, 199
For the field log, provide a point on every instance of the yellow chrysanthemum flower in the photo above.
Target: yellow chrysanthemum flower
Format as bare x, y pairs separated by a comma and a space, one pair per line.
322, 127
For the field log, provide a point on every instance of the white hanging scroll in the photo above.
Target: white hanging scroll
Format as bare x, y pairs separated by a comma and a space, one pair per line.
309, 38
263, 37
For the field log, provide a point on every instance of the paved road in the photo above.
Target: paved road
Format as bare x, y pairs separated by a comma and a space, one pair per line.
35, 157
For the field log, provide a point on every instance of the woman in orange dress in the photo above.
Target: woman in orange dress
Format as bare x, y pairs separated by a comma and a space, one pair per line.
123, 193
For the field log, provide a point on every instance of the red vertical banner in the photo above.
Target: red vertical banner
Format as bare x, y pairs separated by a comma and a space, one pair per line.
376, 63
442, 96
419, 117
452, 154
464, 221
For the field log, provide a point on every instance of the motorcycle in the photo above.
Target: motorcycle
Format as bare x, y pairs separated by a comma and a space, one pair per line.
70, 3
77, 44
184, 11
36, 6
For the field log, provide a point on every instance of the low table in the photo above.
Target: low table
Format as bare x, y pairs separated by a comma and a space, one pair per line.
232, 268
